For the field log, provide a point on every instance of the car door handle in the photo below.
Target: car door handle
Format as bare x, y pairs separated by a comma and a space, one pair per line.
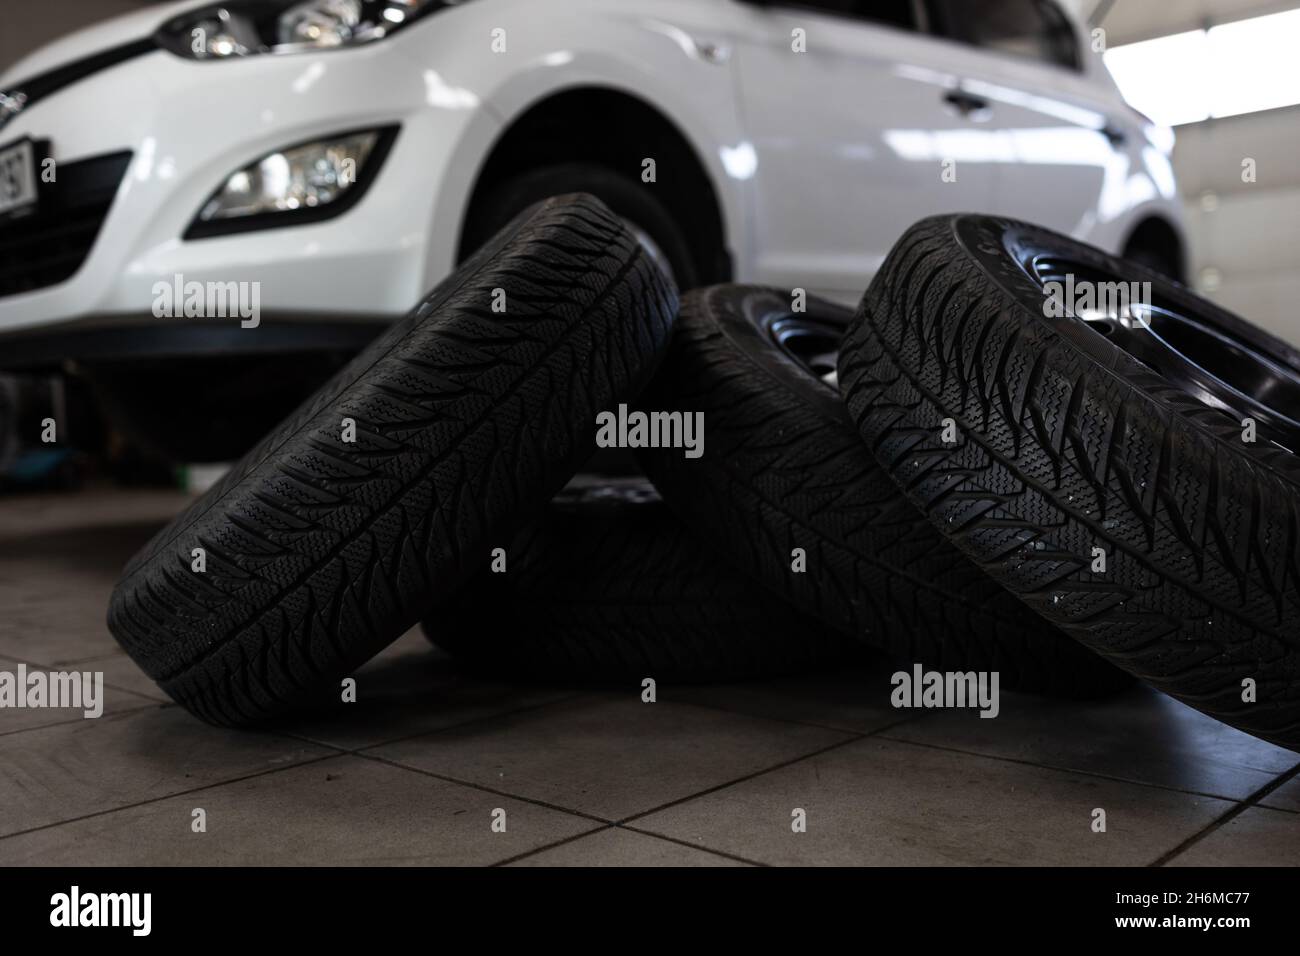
966, 103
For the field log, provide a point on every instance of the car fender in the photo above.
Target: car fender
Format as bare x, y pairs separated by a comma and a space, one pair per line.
664, 60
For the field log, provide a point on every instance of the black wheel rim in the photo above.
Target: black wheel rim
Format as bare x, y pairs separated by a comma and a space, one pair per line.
811, 343
1207, 360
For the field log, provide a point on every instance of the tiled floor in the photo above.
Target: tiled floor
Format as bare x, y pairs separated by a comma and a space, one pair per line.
433, 766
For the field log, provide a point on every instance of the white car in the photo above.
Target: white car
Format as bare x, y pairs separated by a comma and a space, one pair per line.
339, 157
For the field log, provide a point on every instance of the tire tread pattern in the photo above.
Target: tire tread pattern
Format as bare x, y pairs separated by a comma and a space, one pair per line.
1060, 453
785, 468
319, 551
611, 586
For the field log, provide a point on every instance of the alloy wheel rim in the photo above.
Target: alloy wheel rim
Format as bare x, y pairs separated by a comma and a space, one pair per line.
812, 344
1214, 364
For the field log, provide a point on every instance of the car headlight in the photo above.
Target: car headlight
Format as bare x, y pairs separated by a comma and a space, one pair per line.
247, 28
302, 183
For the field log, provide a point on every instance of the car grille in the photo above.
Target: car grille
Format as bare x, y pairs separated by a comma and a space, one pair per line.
50, 245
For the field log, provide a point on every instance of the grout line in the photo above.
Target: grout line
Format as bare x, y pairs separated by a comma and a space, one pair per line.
851, 737
300, 736
743, 712
168, 796
1270, 806
1229, 816
749, 776
298, 739
67, 664
469, 721
92, 659
526, 708
855, 738
486, 789
550, 846
682, 698
686, 843
1083, 773
144, 704
614, 826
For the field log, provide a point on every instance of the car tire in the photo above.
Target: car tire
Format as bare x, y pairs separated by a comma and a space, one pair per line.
320, 551
608, 586
784, 469
632, 202
1080, 437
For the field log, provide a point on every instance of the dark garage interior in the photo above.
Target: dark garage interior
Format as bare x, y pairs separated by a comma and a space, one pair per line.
416, 609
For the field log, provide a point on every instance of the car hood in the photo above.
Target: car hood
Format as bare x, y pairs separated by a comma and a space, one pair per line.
126, 28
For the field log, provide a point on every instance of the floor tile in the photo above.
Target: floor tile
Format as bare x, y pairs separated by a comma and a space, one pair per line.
610, 756
411, 688
53, 623
1255, 837
24, 516
54, 588
855, 700
120, 789
1141, 735
880, 802
120, 671
618, 847
1285, 797
336, 812
18, 719
87, 766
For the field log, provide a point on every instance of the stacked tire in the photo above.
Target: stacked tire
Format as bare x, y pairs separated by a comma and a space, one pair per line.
1164, 441
931, 478
383, 492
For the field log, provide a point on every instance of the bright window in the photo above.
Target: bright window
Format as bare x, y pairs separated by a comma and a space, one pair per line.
1230, 69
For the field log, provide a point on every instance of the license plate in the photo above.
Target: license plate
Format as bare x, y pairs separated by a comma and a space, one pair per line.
17, 179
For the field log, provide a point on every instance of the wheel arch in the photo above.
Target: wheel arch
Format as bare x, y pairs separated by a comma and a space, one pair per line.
1157, 234
616, 129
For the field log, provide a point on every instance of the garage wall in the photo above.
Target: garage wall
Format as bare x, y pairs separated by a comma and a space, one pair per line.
1128, 21
1246, 236
27, 24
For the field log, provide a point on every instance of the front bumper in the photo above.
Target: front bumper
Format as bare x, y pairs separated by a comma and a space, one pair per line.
186, 126
123, 338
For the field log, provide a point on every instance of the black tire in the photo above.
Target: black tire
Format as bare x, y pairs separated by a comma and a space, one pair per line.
609, 586
784, 468
320, 552
631, 201
1066, 442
